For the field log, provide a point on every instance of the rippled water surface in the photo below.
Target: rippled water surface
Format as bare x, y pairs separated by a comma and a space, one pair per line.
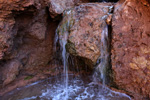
79, 88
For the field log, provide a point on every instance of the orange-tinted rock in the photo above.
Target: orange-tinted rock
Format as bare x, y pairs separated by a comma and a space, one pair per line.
57, 7
131, 47
7, 21
26, 35
84, 24
10, 70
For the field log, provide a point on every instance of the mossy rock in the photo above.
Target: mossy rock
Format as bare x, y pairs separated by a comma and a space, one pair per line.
28, 77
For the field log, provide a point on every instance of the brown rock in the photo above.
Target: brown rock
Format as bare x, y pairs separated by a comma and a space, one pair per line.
57, 7
83, 25
7, 21
26, 34
10, 70
131, 48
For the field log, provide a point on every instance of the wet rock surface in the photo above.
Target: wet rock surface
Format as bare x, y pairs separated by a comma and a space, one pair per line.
131, 48
79, 88
27, 32
83, 25
26, 35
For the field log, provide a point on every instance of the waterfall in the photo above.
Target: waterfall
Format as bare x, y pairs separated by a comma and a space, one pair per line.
67, 87
64, 54
65, 63
63, 36
101, 68
104, 54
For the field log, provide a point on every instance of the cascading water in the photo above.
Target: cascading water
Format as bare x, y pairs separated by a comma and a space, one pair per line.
69, 87
104, 58
65, 62
104, 53
66, 87
63, 41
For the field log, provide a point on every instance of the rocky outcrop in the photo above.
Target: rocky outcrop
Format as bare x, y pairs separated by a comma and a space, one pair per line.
57, 7
131, 48
27, 33
11, 70
7, 22
26, 38
83, 26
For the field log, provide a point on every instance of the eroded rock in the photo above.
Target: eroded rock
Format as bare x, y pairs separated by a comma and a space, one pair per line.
83, 25
10, 70
26, 34
131, 48
7, 21
57, 7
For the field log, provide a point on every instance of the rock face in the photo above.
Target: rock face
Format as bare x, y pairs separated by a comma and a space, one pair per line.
56, 7
131, 47
11, 70
26, 37
83, 26
27, 33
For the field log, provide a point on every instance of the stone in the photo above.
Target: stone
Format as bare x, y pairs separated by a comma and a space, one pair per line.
130, 47
38, 30
10, 70
57, 7
7, 21
26, 35
83, 25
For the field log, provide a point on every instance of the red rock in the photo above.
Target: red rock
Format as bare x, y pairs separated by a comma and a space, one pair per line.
10, 70
26, 35
7, 21
57, 7
84, 25
131, 47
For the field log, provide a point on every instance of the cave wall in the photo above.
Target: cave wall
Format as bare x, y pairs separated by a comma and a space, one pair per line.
26, 38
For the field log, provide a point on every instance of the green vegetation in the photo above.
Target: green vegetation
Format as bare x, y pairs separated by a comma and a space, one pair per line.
28, 77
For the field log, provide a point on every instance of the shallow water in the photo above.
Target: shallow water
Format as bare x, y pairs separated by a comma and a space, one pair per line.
79, 88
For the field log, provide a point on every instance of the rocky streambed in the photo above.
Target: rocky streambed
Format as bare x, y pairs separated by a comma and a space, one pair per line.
79, 88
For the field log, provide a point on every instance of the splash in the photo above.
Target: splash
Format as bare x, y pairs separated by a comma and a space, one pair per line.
63, 36
65, 63
69, 87
79, 88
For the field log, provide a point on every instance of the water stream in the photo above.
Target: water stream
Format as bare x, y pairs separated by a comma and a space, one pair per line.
71, 87
101, 69
65, 55
79, 88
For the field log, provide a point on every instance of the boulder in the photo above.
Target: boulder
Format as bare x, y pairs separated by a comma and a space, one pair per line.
10, 70
57, 7
131, 47
82, 26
